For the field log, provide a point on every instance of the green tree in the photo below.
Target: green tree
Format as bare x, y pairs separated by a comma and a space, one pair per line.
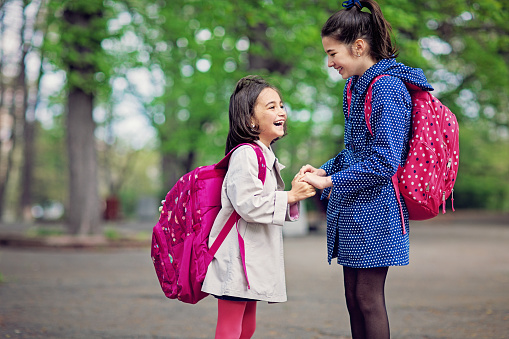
80, 27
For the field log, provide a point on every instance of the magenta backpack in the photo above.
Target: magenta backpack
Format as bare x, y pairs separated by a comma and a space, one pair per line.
180, 251
427, 179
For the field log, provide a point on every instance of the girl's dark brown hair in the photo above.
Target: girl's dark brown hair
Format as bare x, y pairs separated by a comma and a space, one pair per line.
241, 111
351, 24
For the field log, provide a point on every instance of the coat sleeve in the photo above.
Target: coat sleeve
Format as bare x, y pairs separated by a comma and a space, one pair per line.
331, 167
245, 191
293, 212
335, 164
390, 119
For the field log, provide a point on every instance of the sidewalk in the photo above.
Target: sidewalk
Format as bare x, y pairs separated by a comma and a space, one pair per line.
457, 286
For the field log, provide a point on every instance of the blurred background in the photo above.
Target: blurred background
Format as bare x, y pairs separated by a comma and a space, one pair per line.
104, 104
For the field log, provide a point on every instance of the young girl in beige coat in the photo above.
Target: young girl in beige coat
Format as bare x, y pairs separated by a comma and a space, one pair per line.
257, 115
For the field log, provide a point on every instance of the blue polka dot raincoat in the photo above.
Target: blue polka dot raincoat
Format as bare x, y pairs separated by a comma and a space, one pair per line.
364, 227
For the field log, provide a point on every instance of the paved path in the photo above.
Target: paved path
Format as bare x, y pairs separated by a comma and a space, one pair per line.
457, 286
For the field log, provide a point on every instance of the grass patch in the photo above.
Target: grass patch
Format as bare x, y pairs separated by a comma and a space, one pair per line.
36, 232
112, 234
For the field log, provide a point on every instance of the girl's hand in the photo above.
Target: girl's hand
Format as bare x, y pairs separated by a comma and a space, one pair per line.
317, 181
310, 169
300, 190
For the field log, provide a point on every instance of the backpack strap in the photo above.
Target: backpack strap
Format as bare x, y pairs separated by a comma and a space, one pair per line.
348, 96
395, 184
235, 217
262, 170
367, 102
367, 117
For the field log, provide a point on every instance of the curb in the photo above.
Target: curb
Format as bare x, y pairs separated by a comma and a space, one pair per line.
70, 242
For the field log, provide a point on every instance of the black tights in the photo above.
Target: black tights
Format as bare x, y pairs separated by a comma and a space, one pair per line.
365, 300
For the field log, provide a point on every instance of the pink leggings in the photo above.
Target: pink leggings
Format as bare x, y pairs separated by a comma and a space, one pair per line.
235, 319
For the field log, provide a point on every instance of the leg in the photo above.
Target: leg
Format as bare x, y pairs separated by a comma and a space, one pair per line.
370, 297
356, 317
249, 320
229, 319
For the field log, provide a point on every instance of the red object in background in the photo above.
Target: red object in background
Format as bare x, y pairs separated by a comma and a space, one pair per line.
111, 212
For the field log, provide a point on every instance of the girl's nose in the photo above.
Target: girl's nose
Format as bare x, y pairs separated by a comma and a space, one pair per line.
330, 63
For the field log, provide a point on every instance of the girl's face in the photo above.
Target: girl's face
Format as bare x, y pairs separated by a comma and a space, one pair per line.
342, 59
269, 116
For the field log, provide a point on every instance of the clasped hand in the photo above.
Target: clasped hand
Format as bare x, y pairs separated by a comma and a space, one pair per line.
314, 176
305, 182
300, 190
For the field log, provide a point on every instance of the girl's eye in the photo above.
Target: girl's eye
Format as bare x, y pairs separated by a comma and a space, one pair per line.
272, 107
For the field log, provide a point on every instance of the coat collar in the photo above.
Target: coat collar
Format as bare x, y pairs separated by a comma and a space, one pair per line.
360, 84
414, 76
270, 157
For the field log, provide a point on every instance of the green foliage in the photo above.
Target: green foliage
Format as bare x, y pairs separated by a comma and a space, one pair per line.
74, 45
143, 179
484, 168
198, 50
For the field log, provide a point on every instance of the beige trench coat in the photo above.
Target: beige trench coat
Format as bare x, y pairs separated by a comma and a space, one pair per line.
263, 209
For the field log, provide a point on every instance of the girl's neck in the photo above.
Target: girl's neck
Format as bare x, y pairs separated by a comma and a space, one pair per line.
366, 63
266, 142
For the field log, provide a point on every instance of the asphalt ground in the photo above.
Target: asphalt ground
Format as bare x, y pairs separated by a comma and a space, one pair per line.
456, 286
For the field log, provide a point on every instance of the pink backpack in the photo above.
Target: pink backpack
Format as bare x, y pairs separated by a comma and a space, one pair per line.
180, 251
427, 179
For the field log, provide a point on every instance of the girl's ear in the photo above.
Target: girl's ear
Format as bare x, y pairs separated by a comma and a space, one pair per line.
359, 47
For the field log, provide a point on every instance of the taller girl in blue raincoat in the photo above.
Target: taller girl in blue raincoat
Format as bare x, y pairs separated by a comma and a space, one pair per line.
364, 225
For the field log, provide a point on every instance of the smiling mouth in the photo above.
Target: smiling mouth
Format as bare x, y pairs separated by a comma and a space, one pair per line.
279, 123
339, 69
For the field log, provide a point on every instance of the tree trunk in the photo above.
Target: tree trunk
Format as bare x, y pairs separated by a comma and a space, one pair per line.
27, 120
84, 202
18, 96
25, 203
9, 157
2, 95
30, 92
82, 20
